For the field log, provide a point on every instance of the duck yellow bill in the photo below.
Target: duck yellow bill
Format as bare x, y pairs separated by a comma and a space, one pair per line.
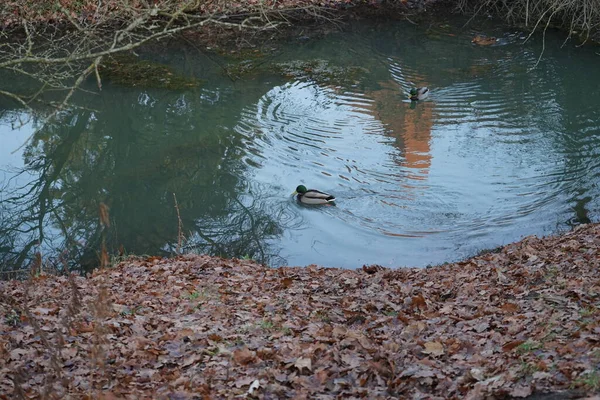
295, 193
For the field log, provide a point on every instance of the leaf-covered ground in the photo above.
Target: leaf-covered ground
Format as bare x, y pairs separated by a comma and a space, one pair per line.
516, 323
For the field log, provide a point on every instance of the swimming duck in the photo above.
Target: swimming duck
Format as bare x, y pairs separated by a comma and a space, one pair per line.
311, 196
419, 93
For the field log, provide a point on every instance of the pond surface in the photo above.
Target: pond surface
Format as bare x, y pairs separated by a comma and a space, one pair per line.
501, 149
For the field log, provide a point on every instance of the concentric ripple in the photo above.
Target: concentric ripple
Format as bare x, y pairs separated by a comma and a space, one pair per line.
494, 153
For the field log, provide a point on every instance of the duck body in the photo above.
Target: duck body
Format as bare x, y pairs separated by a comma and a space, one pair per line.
312, 196
419, 93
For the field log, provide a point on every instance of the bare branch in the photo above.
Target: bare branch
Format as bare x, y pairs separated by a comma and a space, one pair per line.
29, 39
17, 98
64, 103
67, 14
98, 79
112, 50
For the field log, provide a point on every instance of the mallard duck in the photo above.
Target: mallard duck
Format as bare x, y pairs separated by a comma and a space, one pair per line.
312, 196
419, 93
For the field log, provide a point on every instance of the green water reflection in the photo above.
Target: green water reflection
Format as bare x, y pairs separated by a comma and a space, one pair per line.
499, 151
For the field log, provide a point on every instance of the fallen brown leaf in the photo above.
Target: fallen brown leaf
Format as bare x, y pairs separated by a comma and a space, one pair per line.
244, 356
435, 349
302, 362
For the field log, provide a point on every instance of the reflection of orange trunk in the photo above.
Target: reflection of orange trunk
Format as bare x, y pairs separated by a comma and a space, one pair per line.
416, 137
411, 127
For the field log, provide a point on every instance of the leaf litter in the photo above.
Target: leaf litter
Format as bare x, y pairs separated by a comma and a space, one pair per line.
511, 324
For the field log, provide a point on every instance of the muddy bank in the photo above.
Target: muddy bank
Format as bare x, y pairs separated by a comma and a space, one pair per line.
520, 322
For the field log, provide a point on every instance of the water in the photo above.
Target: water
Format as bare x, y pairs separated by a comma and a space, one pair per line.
498, 151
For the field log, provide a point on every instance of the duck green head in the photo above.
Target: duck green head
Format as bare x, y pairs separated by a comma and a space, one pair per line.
301, 189
413, 92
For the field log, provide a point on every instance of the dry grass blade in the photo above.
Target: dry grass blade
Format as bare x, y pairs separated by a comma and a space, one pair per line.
103, 212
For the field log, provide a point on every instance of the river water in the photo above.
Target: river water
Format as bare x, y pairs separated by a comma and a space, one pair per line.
505, 146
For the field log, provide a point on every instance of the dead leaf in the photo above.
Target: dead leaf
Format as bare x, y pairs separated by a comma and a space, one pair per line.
417, 372
214, 337
372, 269
434, 349
351, 359
244, 356
477, 374
419, 302
303, 362
16, 354
521, 391
246, 380
413, 329
339, 331
512, 345
191, 359
482, 326
253, 387
540, 375
509, 307
502, 278
145, 374
45, 311
69, 352
85, 327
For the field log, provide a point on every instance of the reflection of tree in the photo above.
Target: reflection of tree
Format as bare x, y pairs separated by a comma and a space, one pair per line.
410, 127
238, 234
27, 211
133, 156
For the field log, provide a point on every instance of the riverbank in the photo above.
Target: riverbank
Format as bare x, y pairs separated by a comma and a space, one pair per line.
518, 322
578, 18
18, 12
